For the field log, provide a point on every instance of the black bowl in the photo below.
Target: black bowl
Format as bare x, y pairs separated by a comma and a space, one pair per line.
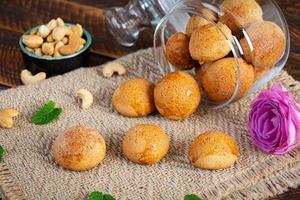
56, 65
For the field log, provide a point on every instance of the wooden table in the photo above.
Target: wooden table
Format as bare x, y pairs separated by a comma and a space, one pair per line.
19, 15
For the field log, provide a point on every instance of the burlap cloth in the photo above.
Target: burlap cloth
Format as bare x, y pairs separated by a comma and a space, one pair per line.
30, 172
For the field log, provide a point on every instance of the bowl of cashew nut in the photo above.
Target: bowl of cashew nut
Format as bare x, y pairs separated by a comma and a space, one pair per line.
55, 48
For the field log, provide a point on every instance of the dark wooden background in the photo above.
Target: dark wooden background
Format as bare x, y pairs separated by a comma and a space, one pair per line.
18, 15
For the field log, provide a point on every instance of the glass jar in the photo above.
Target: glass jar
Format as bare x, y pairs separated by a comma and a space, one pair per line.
126, 23
234, 47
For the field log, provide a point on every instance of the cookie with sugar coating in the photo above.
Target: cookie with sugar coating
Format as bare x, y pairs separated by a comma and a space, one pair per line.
177, 95
219, 79
268, 42
134, 98
239, 14
213, 150
79, 148
145, 144
196, 21
177, 51
210, 42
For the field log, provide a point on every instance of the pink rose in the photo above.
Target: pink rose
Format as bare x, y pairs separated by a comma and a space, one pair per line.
274, 121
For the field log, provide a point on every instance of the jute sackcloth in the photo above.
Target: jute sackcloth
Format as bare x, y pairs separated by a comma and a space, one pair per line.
30, 172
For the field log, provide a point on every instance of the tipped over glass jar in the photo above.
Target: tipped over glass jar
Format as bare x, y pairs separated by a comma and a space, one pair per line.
233, 47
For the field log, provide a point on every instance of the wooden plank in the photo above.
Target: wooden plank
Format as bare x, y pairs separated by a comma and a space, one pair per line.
11, 60
102, 4
291, 10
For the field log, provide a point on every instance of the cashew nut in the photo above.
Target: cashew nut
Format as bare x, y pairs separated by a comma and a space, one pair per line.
44, 31
80, 47
60, 22
80, 30
52, 24
50, 38
60, 32
48, 48
6, 117
74, 42
82, 41
86, 98
111, 68
77, 29
32, 41
57, 46
27, 77
38, 51
65, 40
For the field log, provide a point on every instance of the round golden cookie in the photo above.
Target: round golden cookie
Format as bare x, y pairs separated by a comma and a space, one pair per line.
145, 144
213, 150
219, 79
240, 14
177, 51
268, 41
208, 43
79, 148
260, 72
134, 98
196, 21
177, 95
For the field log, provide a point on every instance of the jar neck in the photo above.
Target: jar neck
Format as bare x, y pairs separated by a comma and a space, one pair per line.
125, 23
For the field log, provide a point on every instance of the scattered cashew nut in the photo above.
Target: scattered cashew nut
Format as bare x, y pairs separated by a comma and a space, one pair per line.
113, 67
27, 77
32, 41
86, 98
6, 117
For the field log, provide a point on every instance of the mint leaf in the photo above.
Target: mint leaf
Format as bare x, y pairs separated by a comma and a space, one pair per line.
191, 197
96, 196
1, 153
52, 116
108, 197
46, 114
100, 196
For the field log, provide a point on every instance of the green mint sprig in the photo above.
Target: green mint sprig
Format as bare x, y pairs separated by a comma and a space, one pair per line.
1, 153
46, 114
100, 196
191, 197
